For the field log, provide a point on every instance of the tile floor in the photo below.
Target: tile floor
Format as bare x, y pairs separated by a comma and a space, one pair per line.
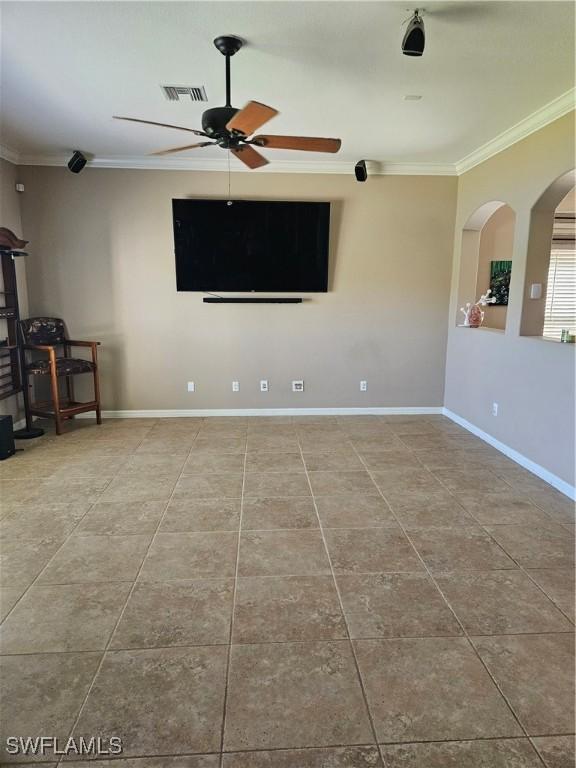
309, 592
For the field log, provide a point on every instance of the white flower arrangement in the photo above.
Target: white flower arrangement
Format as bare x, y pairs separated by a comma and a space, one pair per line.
483, 301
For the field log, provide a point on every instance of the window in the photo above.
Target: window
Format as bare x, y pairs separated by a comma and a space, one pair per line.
560, 311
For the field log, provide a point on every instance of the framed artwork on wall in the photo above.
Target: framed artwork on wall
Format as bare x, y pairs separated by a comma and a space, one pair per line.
500, 273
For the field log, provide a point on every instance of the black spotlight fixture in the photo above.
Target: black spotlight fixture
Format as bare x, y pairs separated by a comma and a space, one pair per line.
415, 37
361, 171
76, 162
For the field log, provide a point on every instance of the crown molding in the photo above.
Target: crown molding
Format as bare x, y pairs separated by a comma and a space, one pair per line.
534, 122
9, 154
213, 164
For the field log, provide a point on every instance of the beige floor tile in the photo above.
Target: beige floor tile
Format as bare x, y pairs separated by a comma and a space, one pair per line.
329, 462
431, 689
382, 461
293, 695
536, 674
335, 483
395, 605
497, 753
42, 519
209, 486
276, 484
9, 596
86, 559
459, 549
182, 761
45, 692
274, 461
330, 757
153, 464
173, 444
22, 560
176, 613
470, 479
500, 602
273, 513
435, 512
121, 517
203, 463
557, 751
558, 583
547, 546
283, 443
217, 444
180, 688
74, 617
377, 443
282, 553
190, 556
506, 507
138, 487
370, 550
287, 608
354, 511
201, 515
406, 479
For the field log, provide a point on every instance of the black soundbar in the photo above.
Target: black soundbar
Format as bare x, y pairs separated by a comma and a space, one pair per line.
250, 300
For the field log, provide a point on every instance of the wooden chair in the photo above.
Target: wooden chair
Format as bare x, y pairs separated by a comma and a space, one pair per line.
48, 334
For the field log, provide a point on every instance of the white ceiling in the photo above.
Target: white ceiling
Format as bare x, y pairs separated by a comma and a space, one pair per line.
330, 68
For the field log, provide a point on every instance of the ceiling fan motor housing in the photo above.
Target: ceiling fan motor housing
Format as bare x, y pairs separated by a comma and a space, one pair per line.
214, 122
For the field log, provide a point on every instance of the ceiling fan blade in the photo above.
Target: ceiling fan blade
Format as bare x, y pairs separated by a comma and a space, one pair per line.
182, 149
249, 119
304, 143
249, 156
162, 125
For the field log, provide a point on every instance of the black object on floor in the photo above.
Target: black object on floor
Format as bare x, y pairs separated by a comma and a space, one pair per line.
7, 447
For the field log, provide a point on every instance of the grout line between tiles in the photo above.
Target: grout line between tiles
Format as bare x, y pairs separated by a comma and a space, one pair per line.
233, 610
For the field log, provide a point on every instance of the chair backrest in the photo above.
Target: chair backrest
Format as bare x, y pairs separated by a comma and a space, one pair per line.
43, 330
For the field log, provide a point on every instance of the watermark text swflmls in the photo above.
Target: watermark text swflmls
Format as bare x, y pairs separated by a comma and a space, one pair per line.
52, 745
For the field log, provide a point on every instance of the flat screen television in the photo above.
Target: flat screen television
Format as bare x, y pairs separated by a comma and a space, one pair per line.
251, 245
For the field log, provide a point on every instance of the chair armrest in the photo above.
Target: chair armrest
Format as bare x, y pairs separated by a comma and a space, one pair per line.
76, 343
39, 347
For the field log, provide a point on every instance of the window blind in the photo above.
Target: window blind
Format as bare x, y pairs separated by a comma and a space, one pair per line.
560, 309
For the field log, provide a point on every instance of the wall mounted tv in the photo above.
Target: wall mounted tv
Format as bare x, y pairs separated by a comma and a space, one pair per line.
251, 245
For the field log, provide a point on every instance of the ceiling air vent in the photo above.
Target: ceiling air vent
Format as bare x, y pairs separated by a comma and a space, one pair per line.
175, 92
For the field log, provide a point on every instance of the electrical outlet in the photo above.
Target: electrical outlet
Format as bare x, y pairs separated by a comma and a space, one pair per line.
494, 409
191, 387
235, 386
297, 386
263, 385
363, 386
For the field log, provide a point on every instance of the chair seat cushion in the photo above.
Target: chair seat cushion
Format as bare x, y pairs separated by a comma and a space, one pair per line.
65, 366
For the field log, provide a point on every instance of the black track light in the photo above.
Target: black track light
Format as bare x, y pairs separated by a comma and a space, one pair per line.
415, 37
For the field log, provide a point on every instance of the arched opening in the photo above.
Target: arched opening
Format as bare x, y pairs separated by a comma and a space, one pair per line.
549, 308
486, 262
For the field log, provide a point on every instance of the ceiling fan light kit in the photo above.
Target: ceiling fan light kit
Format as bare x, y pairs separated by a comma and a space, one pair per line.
230, 128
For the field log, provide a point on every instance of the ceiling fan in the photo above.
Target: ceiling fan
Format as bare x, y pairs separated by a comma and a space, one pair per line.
230, 128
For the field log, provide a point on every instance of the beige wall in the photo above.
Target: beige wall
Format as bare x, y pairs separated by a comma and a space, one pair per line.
531, 379
102, 257
496, 243
11, 219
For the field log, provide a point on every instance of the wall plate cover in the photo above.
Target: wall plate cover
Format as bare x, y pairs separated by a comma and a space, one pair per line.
298, 386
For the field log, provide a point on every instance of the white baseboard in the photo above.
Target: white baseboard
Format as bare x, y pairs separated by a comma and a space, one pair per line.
207, 412
531, 466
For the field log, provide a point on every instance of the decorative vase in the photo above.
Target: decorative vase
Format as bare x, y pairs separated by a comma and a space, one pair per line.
476, 316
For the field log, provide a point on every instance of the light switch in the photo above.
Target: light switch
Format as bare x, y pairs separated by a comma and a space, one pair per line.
536, 291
